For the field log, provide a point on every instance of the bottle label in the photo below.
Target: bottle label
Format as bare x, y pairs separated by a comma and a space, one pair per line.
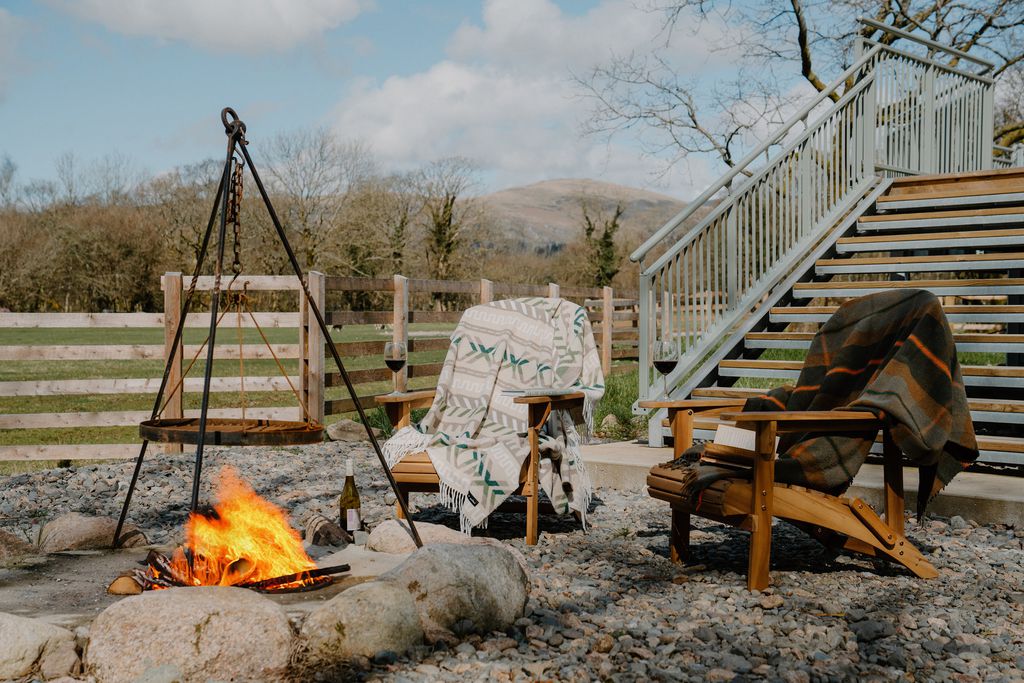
352, 519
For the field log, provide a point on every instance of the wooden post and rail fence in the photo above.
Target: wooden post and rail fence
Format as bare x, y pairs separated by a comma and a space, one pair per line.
425, 333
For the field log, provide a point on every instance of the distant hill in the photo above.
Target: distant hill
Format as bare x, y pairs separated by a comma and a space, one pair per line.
546, 216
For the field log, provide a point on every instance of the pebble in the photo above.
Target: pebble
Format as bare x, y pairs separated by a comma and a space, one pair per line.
608, 604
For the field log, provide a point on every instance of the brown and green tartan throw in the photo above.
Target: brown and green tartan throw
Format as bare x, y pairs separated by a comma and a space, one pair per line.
891, 354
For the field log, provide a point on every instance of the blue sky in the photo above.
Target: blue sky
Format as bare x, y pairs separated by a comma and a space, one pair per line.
416, 81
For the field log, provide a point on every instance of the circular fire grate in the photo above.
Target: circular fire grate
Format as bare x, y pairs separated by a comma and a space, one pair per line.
232, 432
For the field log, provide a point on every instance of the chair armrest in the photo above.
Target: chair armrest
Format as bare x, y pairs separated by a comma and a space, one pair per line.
421, 399
574, 397
806, 420
695, 404
542, 405
399, 406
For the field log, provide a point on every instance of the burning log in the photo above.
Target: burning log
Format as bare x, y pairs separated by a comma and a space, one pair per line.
159, 573
244, 540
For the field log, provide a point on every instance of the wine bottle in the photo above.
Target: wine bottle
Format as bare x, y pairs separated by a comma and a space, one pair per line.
348, 502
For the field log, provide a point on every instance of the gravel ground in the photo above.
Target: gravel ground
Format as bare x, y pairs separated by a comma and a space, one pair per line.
608, 605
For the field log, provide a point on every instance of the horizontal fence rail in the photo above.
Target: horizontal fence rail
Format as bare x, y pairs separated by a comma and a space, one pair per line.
410, 312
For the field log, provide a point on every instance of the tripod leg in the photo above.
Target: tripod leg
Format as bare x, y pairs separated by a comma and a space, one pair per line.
116, 543
200, 258
330, 343
214, 305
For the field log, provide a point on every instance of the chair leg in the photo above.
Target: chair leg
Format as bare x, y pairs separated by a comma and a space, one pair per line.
679, 539
532, 487
893, 470
761, 493
398, 505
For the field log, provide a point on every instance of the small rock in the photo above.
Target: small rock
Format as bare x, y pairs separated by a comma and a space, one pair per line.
75, 531
772, 601
604, 643
610, 423
870, 629
956, 523
348, 430
12, 548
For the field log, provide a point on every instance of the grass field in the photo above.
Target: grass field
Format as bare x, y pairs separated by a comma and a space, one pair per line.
118, 369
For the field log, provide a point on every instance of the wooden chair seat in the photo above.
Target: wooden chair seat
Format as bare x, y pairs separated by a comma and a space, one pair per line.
751, 498
416, 474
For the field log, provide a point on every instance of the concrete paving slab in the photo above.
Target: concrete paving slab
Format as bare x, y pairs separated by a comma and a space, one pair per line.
984, 498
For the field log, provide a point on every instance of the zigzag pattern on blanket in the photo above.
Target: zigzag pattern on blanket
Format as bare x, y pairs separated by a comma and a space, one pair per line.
475, 435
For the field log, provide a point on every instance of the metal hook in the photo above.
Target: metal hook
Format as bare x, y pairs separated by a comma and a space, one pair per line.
233, 127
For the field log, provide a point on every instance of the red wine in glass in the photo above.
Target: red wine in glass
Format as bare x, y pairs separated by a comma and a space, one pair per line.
665, 357
395, 355
665, 366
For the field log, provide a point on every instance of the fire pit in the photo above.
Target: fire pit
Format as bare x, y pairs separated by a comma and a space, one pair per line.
244, 540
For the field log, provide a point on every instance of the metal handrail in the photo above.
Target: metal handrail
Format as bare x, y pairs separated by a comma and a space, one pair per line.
751, 180
898, 114
927, 42
780, 133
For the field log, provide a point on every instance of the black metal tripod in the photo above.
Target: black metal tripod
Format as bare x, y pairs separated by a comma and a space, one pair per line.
234, 128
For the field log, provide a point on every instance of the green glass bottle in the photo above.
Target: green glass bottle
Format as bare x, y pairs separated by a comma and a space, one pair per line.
348, 502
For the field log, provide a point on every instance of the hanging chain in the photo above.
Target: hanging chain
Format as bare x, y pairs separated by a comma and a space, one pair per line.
235, 214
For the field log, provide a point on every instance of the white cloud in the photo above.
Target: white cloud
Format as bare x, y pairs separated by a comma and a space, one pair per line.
505, 99
251, 26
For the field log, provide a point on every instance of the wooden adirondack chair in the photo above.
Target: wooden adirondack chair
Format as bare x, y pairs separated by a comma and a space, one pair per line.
415, 473
751, 499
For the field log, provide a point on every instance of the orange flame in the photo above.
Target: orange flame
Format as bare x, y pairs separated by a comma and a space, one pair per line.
248, 539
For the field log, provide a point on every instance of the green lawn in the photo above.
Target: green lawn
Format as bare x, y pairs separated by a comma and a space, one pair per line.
38, 370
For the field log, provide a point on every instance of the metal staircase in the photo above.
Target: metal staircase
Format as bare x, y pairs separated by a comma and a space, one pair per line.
890, 186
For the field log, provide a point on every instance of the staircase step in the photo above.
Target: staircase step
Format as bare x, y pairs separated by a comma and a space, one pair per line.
958, 218
971, 239
994, 314
920, 264
974, 375
994, 286
984, 343
964, 189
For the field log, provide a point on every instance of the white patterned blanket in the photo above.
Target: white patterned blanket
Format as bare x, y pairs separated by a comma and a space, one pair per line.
475, 435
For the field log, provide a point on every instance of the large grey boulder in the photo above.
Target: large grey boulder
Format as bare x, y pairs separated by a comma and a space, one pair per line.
75, 531
449, 583
29, 646
367, 619
392, 536
204, 633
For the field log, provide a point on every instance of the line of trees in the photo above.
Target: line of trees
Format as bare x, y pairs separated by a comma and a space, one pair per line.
98, 236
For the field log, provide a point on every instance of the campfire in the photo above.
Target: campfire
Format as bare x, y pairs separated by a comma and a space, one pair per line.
245, 540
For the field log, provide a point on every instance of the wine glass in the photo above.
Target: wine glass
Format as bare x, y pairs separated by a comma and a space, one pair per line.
666, 357
395, 355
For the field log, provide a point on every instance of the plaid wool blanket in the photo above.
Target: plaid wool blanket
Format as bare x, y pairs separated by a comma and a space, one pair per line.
474, 433
891, 354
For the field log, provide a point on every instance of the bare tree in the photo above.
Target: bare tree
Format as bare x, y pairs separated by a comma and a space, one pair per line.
313, 172
683, 116
8, 169
446, 215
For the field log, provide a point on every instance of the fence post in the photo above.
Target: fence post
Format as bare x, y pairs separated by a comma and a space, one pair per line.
486, 291
607, 318
553, 290
172, 314
400, 331
928, 143
311, 346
